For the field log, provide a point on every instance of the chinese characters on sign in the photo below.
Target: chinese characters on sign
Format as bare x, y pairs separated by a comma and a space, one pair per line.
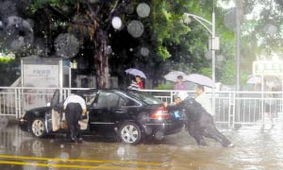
268, 68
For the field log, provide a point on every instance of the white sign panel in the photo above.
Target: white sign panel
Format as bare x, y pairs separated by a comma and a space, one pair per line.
38, 75
268, 68
41, 75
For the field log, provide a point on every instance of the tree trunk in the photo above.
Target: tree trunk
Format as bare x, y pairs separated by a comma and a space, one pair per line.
101, 59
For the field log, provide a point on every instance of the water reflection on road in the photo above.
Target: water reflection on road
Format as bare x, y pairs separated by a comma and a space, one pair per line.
255, 149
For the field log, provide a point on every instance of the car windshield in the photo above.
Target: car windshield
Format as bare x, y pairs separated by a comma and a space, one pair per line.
145, 98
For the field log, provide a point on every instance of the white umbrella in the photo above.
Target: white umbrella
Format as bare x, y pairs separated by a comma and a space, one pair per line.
200, 79
254, 80
135, 72
172, 76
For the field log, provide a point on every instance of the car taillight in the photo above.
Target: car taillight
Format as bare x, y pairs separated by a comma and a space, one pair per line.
160, 113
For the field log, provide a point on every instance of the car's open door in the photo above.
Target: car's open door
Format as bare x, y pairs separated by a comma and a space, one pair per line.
56, 113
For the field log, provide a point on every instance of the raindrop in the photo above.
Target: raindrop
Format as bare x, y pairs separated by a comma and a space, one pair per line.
67, 45
121, 151
108, 50
1, 24
62, 146
3, 122
143, 10
116, 22
113, 53
144, 51
19, 32
131, 49
135, 28
270, 29
64, 155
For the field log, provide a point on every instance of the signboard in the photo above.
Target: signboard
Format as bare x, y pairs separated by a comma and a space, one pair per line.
38, 74
272, 68
41, 75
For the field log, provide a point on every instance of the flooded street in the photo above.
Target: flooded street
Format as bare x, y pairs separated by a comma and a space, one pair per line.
255, 148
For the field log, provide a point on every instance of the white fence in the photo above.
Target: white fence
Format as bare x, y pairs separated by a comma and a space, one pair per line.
234, 108
231, 108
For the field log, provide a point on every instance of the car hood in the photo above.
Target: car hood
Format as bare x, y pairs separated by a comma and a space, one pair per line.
38, 112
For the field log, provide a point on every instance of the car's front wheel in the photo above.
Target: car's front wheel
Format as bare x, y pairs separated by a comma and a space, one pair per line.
38, 128
130, 133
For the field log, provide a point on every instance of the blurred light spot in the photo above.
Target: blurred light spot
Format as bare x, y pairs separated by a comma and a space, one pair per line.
116, 22
108, 49
135, 28
144, 51
143, 10
64, 155
270, 29
67, 45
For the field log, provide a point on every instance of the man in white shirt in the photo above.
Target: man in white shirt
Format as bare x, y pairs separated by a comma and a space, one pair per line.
74, 106
203, 99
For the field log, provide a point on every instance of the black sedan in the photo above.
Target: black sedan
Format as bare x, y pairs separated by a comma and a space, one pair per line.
129, 115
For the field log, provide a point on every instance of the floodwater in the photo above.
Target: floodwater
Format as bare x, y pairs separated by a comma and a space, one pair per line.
255, 148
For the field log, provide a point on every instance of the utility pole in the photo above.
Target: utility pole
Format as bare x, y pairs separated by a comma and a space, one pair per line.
238, 42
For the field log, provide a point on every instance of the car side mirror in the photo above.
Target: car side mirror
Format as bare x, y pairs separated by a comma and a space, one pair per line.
48, 104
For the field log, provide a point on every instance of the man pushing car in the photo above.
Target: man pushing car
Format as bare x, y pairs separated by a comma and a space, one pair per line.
199, 122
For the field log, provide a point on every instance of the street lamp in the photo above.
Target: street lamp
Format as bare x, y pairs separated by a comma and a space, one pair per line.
213, 45
214, 40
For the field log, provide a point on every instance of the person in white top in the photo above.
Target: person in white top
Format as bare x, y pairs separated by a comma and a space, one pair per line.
74, 106
203, 99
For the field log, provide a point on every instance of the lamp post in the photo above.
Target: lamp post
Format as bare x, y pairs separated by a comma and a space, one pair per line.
213, 45
214, 40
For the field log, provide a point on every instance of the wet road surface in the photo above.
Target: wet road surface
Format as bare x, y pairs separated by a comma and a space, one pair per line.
255, 148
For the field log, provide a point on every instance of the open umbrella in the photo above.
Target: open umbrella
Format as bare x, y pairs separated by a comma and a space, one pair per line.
200, 79
135, 72
172, 76
254, 80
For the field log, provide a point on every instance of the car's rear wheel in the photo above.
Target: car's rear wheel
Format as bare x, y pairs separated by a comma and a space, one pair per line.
130, 133
38, 128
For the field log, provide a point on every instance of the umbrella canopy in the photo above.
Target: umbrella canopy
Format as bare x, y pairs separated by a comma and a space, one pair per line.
254, 80
200, 79
172, 76
135, 72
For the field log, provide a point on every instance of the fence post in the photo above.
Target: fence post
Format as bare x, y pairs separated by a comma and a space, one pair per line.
16, 103
234, 100
171, 96
263, 108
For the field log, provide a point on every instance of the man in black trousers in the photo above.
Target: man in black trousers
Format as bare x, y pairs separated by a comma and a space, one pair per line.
74, 107
199, 122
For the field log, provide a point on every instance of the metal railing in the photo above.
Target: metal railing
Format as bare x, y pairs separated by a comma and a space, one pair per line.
232, 108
